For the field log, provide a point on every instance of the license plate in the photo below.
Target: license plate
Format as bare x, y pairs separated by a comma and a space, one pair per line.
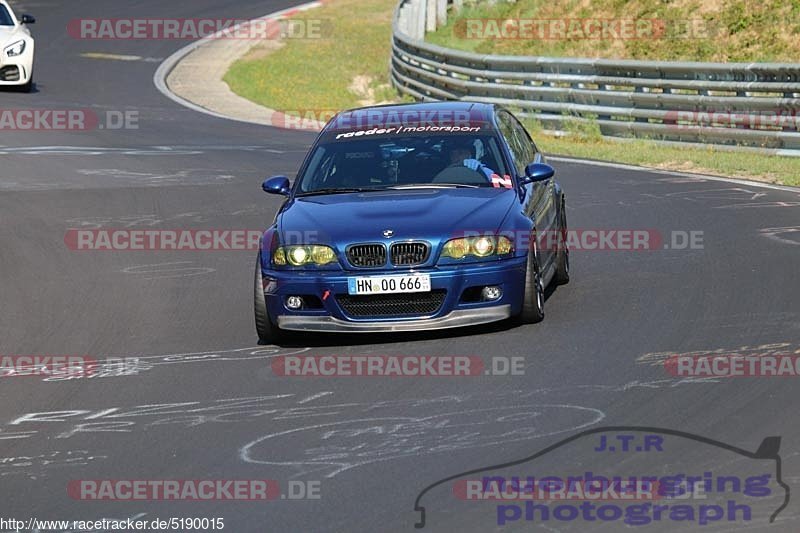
389, 284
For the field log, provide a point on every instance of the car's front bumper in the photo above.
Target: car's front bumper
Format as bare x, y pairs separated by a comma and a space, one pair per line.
16, 70
455, 319
332, 315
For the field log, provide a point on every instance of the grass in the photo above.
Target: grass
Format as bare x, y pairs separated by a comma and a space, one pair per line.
319, 75
688, 30
589, 145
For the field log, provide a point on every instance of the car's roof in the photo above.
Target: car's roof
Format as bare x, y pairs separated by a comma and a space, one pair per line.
441, 114
456, 105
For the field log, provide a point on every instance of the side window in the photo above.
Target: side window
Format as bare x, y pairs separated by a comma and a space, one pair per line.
5, 17
527, 146
318, 171
507, 128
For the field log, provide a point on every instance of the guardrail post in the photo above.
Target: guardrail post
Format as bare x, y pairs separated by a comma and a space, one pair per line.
418, 14
430, 15
441, 12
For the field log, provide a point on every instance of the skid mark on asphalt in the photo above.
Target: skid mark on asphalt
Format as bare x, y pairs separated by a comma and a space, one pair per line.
334, 435
37, 466
682, 179
192, 176
758, 205
68, 423
139, 151
134, 364
126, 221
779, 348
741, 197
175, 269
724, 193
121, 57
152, 219
336, 447
726, 197
785, 235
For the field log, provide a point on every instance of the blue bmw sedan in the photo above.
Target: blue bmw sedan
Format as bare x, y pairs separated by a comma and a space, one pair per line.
412, 217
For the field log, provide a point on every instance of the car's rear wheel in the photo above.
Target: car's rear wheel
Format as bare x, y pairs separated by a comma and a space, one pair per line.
562, 257
268, 333
533, 299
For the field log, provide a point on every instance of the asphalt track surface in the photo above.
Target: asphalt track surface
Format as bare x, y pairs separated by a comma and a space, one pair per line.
372, 443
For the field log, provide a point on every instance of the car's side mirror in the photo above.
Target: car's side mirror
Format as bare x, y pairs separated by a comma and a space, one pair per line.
27, 19
277, 185
538, 172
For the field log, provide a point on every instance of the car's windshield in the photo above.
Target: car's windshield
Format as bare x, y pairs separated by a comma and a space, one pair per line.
447, 160
5, 17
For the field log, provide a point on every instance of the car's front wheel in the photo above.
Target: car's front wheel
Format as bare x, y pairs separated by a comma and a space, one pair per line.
268, 333
533, 299
27, 87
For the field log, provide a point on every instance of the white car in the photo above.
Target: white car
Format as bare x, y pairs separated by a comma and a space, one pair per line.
16, 49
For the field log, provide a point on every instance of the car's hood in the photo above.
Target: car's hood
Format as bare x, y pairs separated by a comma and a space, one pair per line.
409, 214
7, 32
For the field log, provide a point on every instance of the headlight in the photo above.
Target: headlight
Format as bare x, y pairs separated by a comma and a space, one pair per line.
322, 255
303, 255
298, 256
484, 246
15, 49
456, 249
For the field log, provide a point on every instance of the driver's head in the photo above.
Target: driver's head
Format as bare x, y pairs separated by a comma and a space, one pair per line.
459, 150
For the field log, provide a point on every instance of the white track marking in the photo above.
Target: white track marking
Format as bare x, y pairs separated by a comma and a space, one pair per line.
738, 181
164, 69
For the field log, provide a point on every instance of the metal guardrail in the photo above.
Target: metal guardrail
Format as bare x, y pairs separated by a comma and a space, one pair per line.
755, 105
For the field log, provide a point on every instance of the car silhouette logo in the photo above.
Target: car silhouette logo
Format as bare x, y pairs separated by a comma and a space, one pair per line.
388, 233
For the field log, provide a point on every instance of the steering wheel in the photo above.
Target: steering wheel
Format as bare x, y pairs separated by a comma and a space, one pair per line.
458, 173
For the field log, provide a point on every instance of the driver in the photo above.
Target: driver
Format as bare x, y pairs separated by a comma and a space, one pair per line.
461, 154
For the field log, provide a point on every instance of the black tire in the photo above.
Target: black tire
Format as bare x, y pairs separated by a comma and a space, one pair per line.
562, 257
28, 87
533, 299
268, 333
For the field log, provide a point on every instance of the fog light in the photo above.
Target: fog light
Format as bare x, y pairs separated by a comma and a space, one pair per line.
491, 293
294, 302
